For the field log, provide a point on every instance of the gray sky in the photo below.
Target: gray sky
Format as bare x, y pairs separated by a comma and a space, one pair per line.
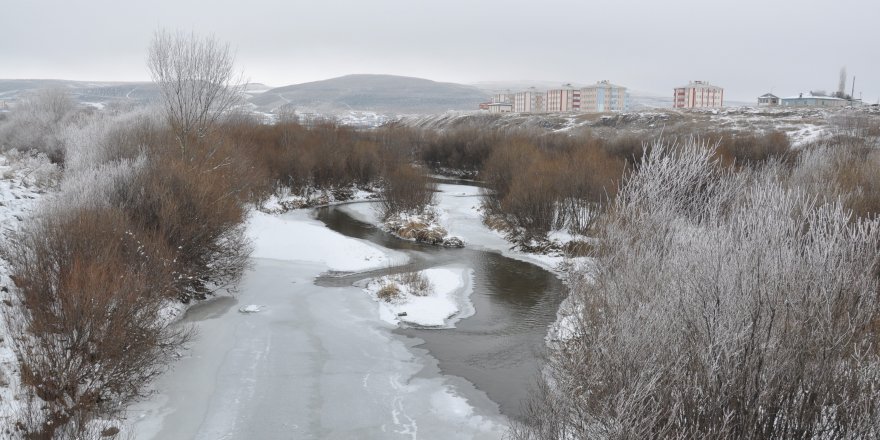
747, 46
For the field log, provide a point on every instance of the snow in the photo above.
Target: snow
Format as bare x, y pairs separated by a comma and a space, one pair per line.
24, 180
297, 237
807, 134
447, 301
250, 308
283, 200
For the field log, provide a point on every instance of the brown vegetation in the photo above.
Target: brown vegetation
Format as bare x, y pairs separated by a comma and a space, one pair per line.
89, 334
405, 190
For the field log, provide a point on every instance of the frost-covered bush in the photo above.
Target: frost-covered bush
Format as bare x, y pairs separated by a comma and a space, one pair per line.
107, 137
722, 305
37, 123
31, 168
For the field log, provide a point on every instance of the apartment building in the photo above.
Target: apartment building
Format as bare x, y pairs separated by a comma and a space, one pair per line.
566, 99
603, 97
531, 101
698, 94
503, 98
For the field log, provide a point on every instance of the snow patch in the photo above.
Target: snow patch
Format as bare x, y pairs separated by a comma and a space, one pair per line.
444, 301
297, 237
250, 308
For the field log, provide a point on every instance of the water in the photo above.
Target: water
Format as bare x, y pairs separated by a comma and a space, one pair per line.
500, 348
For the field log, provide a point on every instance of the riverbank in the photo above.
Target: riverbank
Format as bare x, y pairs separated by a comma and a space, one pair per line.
458, 211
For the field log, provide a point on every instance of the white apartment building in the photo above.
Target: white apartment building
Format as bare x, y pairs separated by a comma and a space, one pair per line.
603, 97
503, 98
698, 94
563, 100
529, 102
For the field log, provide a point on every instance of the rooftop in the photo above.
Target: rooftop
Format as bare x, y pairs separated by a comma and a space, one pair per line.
809, 95
698, 83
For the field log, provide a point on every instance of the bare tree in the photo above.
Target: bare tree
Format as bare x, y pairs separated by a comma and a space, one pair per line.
197, 78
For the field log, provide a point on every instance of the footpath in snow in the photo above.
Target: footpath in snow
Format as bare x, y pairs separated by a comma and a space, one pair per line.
306, 361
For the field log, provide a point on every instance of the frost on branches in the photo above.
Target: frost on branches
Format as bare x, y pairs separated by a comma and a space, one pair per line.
723, 305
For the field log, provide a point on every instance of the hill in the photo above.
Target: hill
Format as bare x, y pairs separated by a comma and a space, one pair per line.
377, 93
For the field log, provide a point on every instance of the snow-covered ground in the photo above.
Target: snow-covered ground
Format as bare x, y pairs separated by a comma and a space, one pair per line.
23, 181
309, 361
284, 200
296, 235
445, 301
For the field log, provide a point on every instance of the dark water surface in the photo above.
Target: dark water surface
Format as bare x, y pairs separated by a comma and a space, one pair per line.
500, 348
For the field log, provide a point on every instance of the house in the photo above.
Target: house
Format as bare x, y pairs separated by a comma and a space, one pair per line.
811, 100
500, 107
698, 94
768, 99
603, 97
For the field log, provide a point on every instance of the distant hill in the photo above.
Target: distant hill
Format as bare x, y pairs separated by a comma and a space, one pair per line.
377, 93
98, 93
86, 92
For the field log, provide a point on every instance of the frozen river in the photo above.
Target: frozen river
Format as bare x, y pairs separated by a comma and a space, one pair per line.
316, 362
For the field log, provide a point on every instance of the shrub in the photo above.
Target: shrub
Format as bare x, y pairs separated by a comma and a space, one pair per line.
197, 205
744, 149
88, 328
722, 305
388, 292
416, 282
838, 172
37, 123
405, 189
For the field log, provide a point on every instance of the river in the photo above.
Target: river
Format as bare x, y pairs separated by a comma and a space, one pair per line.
316, 362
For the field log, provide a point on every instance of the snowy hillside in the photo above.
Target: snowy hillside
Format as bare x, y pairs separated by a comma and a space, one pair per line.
802, 125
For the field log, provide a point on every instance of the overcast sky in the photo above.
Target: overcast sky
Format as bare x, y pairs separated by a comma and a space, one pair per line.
747, 46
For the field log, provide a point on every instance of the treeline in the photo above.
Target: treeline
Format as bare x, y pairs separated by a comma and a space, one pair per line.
541, 181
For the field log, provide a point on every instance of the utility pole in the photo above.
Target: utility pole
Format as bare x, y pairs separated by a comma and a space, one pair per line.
852, 93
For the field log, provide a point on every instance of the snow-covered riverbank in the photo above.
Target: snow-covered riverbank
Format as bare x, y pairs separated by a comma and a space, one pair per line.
24, 180
458, 211
314, 362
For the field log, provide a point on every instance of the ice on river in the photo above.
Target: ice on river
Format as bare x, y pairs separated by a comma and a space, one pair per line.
297, 237
314, 363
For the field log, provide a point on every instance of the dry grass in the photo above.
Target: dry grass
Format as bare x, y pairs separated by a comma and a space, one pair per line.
388, 292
